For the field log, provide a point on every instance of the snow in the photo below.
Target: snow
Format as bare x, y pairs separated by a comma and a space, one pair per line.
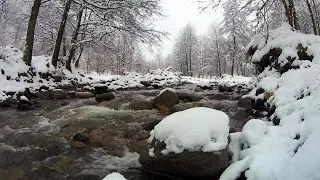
166, 89
24, 98
196, 129
16, 76
114, 176
290, 150
254, 131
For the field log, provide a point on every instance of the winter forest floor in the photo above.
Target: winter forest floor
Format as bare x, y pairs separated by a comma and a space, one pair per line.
50, 141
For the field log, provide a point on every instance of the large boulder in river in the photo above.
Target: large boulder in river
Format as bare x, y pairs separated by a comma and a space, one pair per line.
105, 97
177, 148
166, 99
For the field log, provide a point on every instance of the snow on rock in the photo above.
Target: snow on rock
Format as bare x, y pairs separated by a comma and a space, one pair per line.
16, 76
254, 131
284, 49
114, 176
287, 149
196, 129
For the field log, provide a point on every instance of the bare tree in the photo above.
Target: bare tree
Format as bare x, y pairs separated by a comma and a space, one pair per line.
27, 53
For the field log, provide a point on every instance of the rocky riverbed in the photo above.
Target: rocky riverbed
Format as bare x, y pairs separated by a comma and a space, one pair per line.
78, 138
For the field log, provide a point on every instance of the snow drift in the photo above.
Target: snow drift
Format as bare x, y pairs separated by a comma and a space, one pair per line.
285, 148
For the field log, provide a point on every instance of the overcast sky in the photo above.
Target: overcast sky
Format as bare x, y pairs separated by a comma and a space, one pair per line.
179, 13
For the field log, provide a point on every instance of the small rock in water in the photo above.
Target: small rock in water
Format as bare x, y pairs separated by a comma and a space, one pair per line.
82, 138
105, 97
84, 95
140, 104
166, 99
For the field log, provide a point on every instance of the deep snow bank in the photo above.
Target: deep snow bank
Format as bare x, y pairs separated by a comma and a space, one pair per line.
287, 147
15, 76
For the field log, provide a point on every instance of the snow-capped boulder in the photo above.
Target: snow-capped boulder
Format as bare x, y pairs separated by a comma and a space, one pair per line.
190, 143
166, 99
114, 176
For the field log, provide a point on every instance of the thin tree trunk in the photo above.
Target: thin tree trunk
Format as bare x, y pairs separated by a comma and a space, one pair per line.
27, 53
64, 47
79, 57
57, 46
234, 48
314, 24
74, 40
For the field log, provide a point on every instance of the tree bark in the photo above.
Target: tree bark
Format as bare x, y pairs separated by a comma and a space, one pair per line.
27, 53
74, 40
312, 16
291, 14
56, 51
234, 47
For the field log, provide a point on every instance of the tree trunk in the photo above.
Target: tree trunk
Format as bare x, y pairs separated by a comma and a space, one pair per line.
57, 46
312, 16
291, 14
27, 53
74, 40
218, 56
234, 47
79, 57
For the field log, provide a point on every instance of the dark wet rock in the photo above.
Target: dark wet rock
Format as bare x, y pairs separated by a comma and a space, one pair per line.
246, 103
166, 100
24, 105
101, 89
276, 121
2, 72
43, 87
259, 91
57, 78
81, 138
59, 94
205, 86
185, 164
156, 86
84, 95
271, 111
224, 88
9, 102
150, 125
182, 107
105, 97
140, 104
146, 83
259, 104
188, 96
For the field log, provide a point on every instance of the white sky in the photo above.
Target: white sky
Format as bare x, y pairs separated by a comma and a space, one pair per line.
178, 14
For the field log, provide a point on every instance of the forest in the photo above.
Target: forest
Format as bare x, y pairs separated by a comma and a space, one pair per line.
105, 36
142, 89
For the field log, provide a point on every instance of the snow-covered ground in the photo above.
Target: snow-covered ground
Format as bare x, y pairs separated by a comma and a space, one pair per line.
289, 150
16, 76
